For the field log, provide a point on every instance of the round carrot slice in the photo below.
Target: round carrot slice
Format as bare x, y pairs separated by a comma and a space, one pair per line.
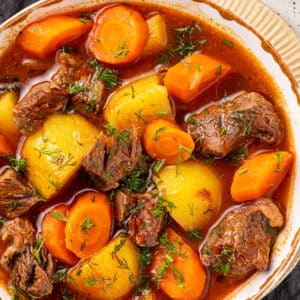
179, 272
165, 140
90, 220
53, 231
119, 35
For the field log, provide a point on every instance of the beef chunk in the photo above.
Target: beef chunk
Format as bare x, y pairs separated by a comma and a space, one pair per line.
75, 79
123, 204
242, 241
28, 272
40, 102
113, 158
16, 196
222, 128
89, 100
144, 226
79, 79
66, 73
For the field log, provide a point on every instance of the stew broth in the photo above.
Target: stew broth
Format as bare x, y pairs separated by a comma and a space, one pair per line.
247, 74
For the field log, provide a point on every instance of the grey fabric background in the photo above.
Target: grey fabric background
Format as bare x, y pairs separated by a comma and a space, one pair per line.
290, 288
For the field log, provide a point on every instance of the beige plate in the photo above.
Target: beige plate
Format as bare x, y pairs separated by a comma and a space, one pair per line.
259, 29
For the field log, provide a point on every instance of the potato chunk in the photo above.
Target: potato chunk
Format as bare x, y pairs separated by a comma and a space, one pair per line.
7, 124
194, 190
138, 103
157, 39
109, 274
54, 153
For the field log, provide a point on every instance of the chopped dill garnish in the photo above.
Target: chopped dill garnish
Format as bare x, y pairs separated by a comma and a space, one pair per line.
37, 249
122, 136
86, 224
194, 234
186, 40
227, 43
18, 165
76, 88
278, 158
107, 75
137, 181
164, 58
158, 165
145, 256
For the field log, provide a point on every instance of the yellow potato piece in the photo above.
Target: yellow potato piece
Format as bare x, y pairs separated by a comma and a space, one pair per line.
138, 103
194, 190
109, 274
157, 39
7, 124
54, 153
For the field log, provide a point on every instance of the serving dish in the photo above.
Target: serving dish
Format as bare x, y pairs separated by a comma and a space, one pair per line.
270, 39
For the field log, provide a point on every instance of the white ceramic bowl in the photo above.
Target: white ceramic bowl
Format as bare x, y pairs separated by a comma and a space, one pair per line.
255, 25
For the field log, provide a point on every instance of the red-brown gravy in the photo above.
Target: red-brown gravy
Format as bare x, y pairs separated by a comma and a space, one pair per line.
247, 74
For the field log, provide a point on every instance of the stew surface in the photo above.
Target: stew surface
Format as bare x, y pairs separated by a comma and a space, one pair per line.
144, 155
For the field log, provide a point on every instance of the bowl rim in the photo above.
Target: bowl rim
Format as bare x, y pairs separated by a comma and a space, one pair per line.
259, 18
287, 55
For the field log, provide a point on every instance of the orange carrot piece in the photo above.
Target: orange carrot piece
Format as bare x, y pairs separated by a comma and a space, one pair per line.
90, 221
177, 269
4, 146
119, 35
260, 175
163, 139
43, 37
193, 75
53, 231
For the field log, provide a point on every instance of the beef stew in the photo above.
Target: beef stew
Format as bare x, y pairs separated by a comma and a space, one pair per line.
149, 116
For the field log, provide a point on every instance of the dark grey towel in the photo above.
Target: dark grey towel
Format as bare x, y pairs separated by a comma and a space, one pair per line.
290, 288
9, 7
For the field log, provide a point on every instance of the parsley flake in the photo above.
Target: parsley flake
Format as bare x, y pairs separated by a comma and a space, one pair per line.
227, 43
86, 224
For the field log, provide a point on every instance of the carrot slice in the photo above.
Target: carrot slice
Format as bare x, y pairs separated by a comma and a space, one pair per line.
177, 269
260, 175
53, 231
193, 75
43, 37
90, 219
119, 35
163, 139
4, 146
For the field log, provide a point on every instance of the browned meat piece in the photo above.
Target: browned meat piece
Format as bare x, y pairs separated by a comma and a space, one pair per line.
74, 79
31, 272
144, 225
224, 127
40, 102
68, 65
113, 158
94, 162
242, 241
122, 158
79, 79
123, 204
16, 196
90, 98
